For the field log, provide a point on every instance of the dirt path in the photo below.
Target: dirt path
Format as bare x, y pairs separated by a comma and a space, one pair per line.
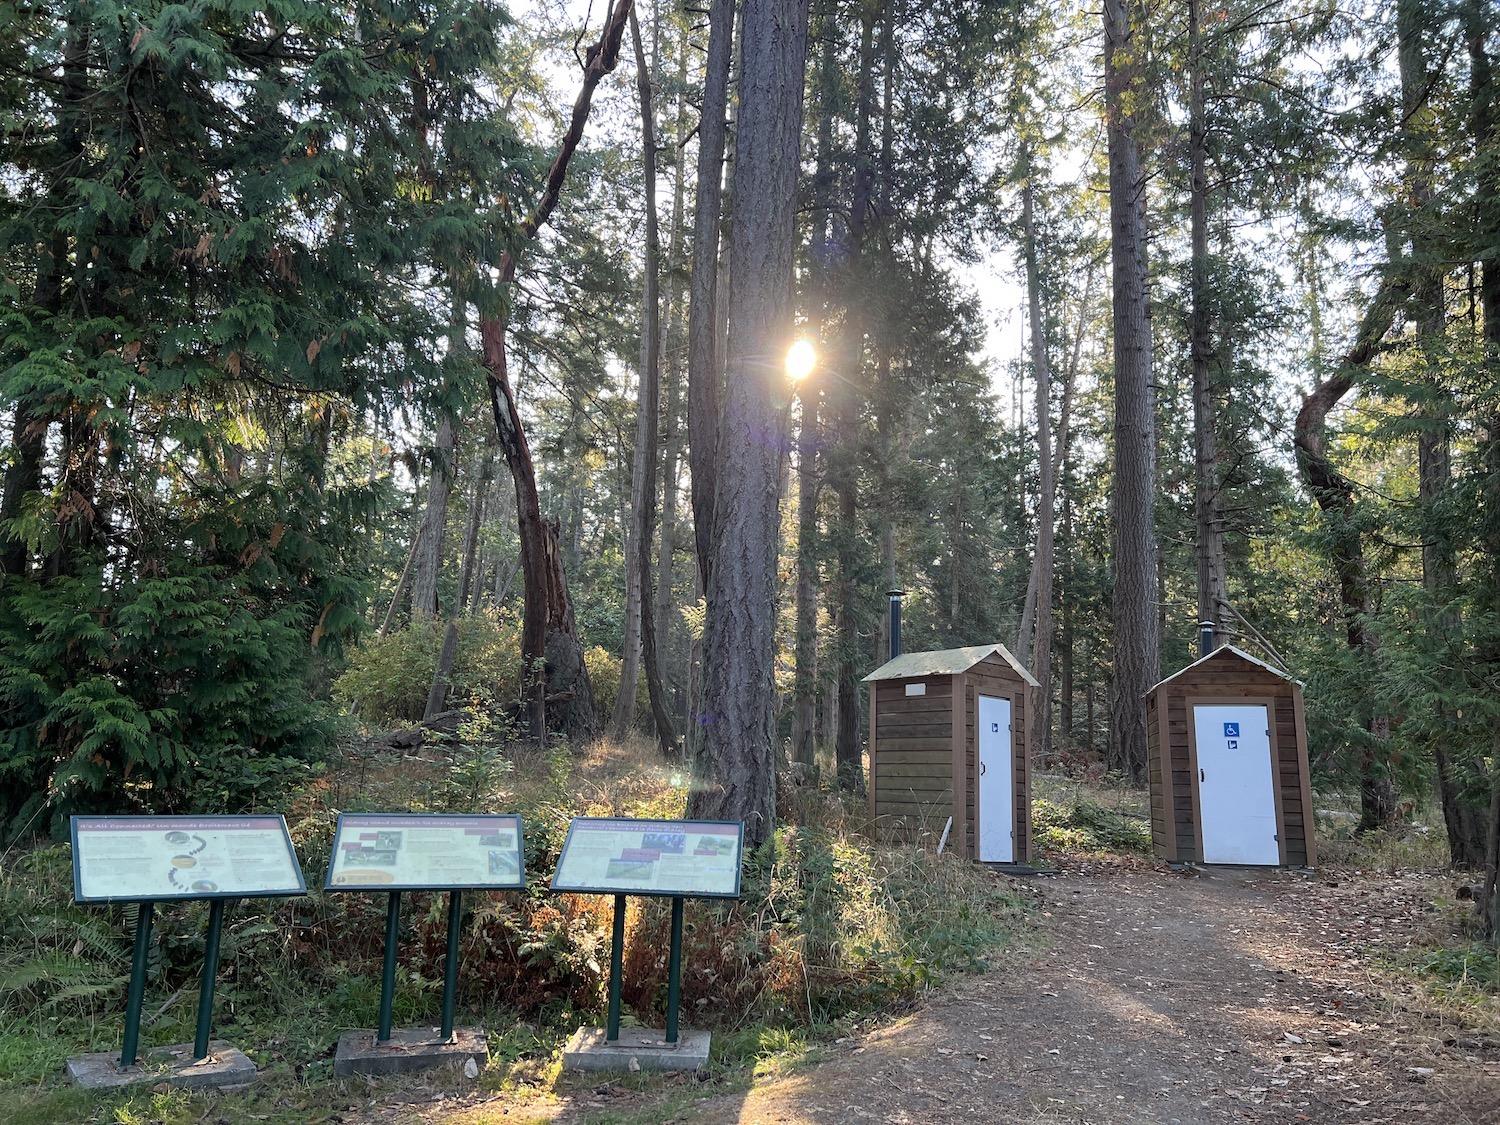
1233, 996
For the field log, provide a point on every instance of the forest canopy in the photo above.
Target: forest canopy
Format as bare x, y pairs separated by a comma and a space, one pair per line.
364, 363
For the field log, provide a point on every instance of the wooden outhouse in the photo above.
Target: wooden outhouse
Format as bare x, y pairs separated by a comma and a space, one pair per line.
1227, 745
948, 739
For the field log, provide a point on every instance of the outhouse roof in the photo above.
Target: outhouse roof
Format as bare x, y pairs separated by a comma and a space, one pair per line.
1241, 653
945, 662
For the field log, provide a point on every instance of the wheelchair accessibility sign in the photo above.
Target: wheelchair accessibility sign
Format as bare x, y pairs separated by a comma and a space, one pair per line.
1231, 730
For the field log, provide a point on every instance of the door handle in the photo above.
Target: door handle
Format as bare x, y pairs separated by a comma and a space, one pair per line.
981, 769
1202, 776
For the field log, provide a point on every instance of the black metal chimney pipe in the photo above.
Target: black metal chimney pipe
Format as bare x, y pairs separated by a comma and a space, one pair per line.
895, 597
1205, 637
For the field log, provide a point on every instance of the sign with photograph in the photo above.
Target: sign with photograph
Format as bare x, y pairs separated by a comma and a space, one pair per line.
148, 858
691, 858
426, 851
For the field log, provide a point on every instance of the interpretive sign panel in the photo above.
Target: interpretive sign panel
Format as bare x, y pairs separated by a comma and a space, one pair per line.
426, 851
695, 858
148, 858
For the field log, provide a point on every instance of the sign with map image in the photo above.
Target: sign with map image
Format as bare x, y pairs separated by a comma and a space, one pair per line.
149, 858
426, 851
688, 858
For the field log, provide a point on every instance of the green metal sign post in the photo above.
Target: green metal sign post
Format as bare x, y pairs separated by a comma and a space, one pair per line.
143, 920
388, 976
674, 971
396, 852
649, 858
616, 959
210, 976
151, 860
450, 968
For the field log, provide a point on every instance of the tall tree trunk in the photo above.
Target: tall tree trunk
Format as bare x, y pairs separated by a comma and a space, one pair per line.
437, 694
809, 439
663, 614
891, 444
647, 390
1024, 633
703, 366
1213, 588
28, 442
1042, 563
735, 767
432, 534
805, 667
1066, 597
843, 471
1463, 815
411, 555
555, 681
1334, 494
1485, 118
643, 502
76, 480
1137, 641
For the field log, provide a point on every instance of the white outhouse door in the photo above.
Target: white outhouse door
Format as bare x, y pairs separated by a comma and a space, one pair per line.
996, 807
1236, 805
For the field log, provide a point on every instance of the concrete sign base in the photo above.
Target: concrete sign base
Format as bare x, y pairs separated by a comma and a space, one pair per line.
408, 1049
638, 1048
225, 1068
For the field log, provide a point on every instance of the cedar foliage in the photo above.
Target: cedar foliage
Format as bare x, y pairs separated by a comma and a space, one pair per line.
218, 218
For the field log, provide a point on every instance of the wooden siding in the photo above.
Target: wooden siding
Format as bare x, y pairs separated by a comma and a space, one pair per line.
1163, 842
1175, 828
911, 766
994, 677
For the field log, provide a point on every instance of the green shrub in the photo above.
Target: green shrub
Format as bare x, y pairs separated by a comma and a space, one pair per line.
389, 677
1084, 826
604, 673
187, 687
1467, 968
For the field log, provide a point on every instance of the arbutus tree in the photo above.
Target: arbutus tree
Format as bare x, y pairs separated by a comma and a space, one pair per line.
555, 681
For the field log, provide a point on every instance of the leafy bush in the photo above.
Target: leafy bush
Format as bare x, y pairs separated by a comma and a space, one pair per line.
1474, 967
388, 677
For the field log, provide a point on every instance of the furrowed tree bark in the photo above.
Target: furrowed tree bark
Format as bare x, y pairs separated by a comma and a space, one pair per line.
1208, 519
1137, 641
735, 768
703, 367
1334, 495
555, 681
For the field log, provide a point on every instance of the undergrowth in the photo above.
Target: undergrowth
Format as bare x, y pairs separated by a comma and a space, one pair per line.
1082, 825
832, 927
1418, 845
